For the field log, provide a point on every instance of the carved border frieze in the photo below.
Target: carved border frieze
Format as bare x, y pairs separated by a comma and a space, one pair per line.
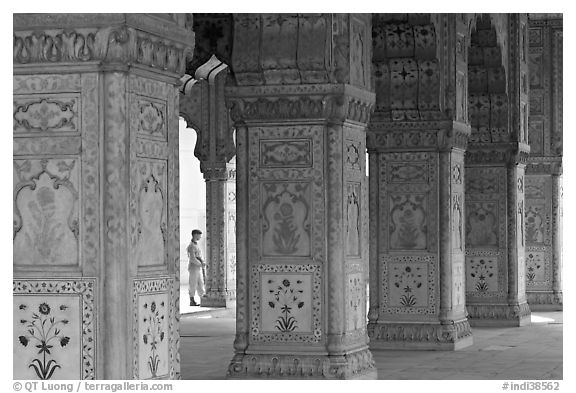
429, 135
403, 333
356, 364
335, 102
489, 312
58, 44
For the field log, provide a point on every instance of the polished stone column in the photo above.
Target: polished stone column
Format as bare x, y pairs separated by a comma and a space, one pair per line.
96, 194
300, 105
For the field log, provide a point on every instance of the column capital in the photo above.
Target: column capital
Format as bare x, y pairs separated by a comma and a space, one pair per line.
511, 153
320, 102
389, 136
161, 42
544, 166
218, 171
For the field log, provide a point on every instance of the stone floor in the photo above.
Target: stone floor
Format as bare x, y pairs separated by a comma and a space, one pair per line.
531, 352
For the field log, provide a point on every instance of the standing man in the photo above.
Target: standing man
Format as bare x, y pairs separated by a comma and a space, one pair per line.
196, 267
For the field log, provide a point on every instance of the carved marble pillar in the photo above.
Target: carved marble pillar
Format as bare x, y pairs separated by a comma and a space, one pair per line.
544, 169
495, 166
204, 108
417, 184
96, 194
220, 235
301, 104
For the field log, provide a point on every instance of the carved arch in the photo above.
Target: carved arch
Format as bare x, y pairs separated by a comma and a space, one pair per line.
488, 104
406, 68
203, 108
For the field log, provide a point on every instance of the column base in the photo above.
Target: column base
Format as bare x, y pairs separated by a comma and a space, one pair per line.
218, 299
356, 365
545, 300
420, 336
487, 315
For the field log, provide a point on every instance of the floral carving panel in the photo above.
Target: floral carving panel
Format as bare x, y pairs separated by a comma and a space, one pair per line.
408, 285
355, 302
286, 211
538, 270
152, 118
408, 230
286, 305
150, 218
482, 275
46, 113
415, 172
48, 332
153, 335
285, 153
154, 328
54, 329
46, 218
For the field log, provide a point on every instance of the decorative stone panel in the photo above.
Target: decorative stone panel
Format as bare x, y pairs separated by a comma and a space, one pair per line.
408, 286
46, 211
47, 113
286, 210
538, 217
290, 224
150, 202
154, 328
289, 305
55, 325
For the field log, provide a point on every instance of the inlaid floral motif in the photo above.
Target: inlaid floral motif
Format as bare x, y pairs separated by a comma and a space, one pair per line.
535, 268
408, 285
154, 334
482, 275
46, 333
285, 297
408, 279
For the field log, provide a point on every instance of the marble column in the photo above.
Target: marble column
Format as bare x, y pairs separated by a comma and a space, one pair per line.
220, 235
300, 104
417, 184
495, 166
544, 168
96, 242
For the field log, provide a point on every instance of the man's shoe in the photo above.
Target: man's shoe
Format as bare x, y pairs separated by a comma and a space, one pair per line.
193, 302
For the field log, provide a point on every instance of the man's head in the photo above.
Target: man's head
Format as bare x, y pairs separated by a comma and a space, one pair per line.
196, 234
